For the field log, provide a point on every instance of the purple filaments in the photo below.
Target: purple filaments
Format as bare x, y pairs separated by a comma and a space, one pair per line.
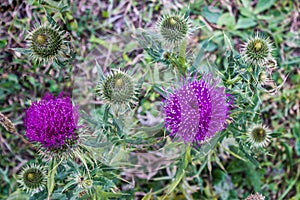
196, 111
51, 121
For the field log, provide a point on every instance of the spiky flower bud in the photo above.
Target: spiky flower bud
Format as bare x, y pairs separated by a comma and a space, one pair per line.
33, 178
259, 136
82, 180
256, 196
118, 88
257, 50
174, 28
197, 110
46, 43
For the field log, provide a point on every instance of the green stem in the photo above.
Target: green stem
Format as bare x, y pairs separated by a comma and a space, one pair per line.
182, 49
51, 176
181, 59
234, 80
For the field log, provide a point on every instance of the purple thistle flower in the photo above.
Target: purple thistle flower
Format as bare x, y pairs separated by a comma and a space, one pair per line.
52, 121
197, 110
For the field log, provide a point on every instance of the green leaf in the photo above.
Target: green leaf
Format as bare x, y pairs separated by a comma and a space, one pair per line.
106, 114
105, 183
21, 50
18, 195
263, 5
210, 45
291, 184
83, 158
39, 196
226, 19
218, 176
51, 175
289, 153
68, 185
3, 43
205, 148
297, 146
244, 23
211, 14
108, 195
148, 196
227, 41
176, 181
185, 159
247, 13
58, 196
246, 3
51, 20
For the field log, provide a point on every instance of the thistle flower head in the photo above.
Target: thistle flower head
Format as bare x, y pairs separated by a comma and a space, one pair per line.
256, 196
197, 110
259, 136
32, 178
52, 122
118, 88
174, 28
82, 180
45, 43
257, 50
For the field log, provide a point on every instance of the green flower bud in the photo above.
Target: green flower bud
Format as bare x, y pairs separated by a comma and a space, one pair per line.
46, 43
174, 28
259, 136
83, 181
33, 178
118, 88
257, 51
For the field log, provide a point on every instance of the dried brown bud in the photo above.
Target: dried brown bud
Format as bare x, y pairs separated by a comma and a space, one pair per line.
7, 124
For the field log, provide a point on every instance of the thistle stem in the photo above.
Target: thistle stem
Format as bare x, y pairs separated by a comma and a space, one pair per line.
181, 64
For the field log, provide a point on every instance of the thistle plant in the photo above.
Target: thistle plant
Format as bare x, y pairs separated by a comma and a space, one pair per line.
32, 178
202, 112
46, 43
209, 105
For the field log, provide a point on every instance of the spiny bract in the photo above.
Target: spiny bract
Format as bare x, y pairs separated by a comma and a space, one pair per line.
256, 196
118, 88
257, 51
174, 28
45, 43
259, 136
33, 178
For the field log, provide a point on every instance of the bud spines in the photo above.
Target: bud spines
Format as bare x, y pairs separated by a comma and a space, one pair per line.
257, 50
33, 178
259, 136
118, 88
46, 43
174, 28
